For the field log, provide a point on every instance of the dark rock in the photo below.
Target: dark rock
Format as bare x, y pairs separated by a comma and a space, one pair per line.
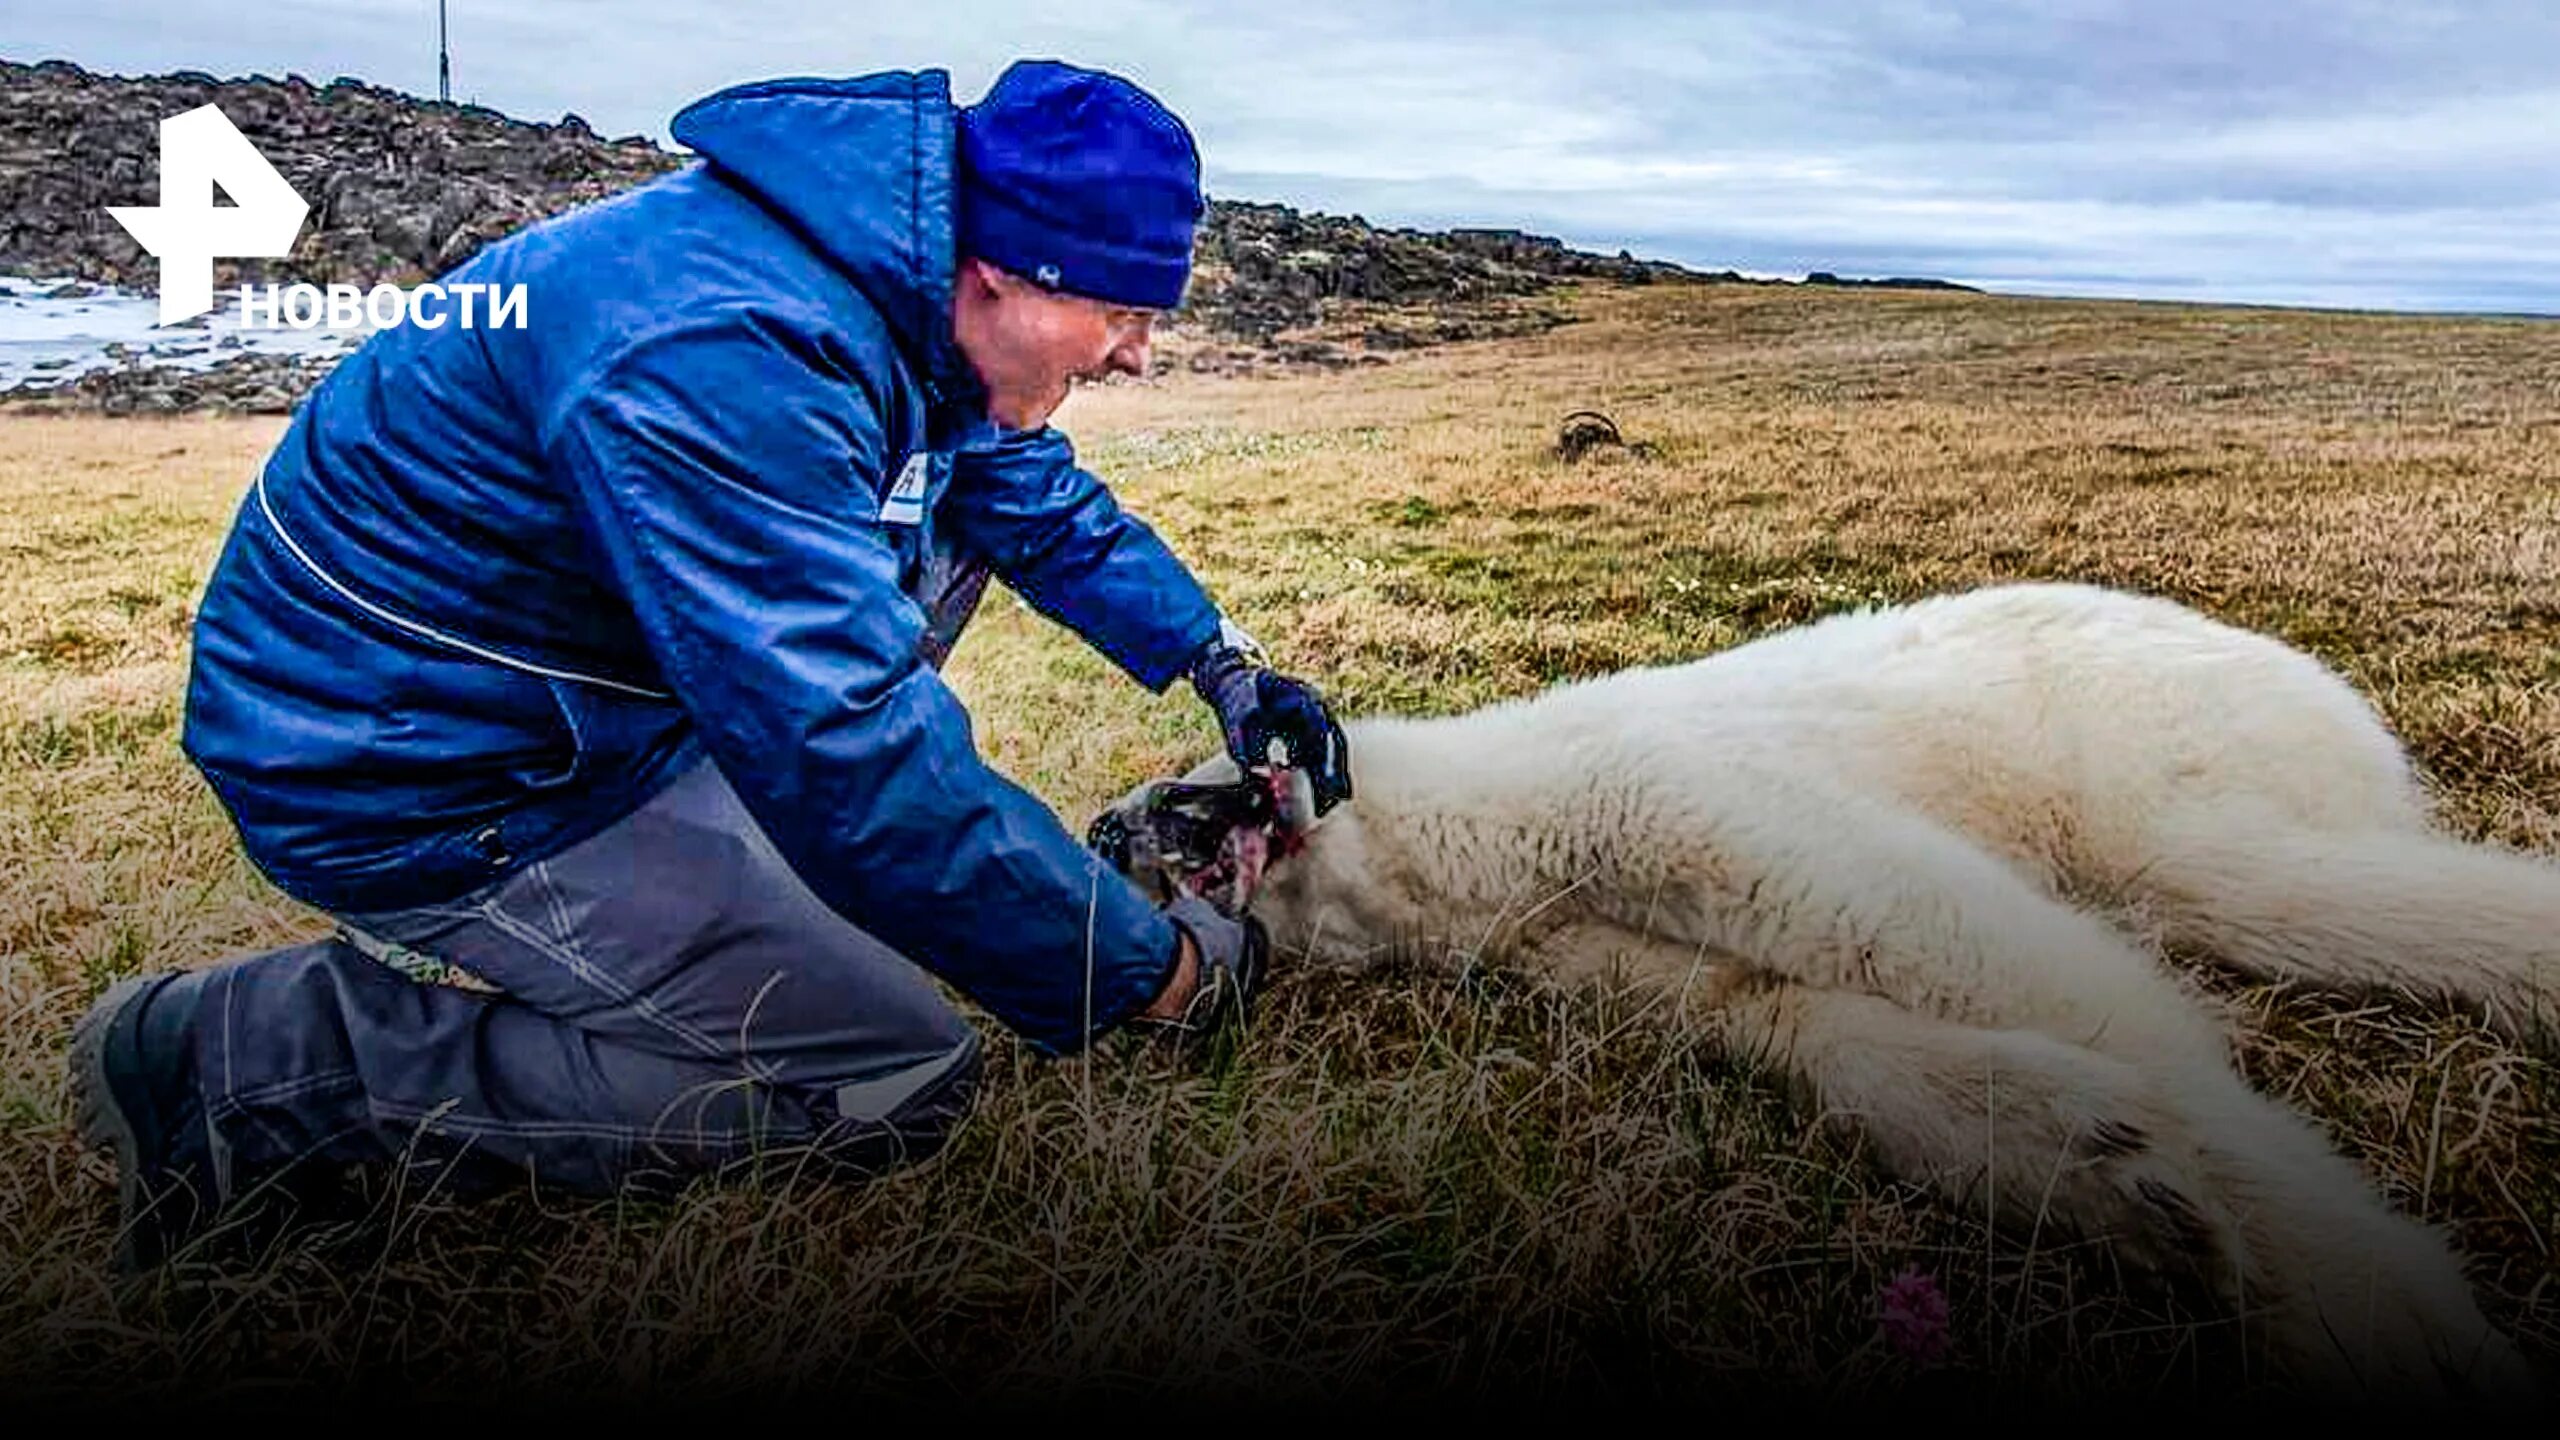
379, 167
1585, 432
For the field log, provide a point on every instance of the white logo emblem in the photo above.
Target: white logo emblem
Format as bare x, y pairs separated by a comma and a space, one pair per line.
1046, 274
905, 505
186, 231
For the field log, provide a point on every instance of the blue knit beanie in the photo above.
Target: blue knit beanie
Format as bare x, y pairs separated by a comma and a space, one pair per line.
1081, 182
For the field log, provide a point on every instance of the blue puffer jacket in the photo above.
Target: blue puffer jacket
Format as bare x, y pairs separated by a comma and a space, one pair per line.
496, 585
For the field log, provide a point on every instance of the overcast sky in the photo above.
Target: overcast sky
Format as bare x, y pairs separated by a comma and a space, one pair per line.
2349, 153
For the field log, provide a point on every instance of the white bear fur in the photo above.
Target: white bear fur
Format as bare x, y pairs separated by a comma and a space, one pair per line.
1914, 859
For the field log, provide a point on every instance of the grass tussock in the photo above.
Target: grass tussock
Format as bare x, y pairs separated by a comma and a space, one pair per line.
1433, 1176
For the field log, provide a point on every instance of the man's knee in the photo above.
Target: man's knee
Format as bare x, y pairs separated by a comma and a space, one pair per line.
905, 1116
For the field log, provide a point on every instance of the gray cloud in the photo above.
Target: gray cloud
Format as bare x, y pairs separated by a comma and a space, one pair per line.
2402, 155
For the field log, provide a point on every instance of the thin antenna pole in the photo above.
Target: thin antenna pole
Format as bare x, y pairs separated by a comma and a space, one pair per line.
444, 60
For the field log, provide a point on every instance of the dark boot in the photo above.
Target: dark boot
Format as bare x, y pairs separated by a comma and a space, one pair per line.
134, 1095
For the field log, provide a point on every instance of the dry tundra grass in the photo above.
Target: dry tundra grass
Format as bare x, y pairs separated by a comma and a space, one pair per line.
1414, 1181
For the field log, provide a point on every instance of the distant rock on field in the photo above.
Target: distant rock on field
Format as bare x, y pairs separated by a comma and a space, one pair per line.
403, 189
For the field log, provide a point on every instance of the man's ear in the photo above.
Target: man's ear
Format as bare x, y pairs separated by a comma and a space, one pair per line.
981, 280
991, 278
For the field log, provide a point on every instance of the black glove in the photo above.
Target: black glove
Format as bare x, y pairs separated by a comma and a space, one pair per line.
1257, 705
1234, 955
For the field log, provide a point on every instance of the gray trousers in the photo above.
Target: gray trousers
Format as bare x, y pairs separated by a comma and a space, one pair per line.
669, 1000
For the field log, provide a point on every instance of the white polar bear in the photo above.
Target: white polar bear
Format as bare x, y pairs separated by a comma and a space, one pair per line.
1876, 851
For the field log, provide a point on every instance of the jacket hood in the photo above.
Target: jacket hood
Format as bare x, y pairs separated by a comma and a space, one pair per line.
863, 167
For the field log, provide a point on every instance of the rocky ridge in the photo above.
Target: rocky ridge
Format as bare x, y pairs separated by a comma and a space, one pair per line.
402, 189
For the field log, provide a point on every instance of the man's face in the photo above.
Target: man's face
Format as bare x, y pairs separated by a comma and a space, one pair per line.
1029, 345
